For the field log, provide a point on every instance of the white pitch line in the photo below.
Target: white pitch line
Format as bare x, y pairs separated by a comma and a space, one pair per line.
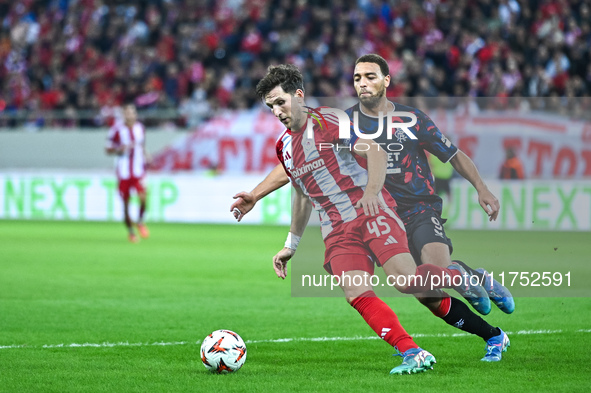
274, 341
119, 344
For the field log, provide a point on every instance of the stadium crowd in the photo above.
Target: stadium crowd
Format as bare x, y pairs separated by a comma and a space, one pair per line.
198, 56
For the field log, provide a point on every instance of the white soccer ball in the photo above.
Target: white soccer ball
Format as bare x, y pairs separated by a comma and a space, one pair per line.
223, 351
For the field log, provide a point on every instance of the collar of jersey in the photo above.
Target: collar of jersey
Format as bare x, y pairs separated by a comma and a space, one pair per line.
375, 117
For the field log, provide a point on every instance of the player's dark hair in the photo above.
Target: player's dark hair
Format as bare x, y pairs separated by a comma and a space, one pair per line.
376, 59
287, 76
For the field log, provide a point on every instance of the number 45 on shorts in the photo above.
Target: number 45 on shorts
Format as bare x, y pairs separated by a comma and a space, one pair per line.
380, 227
385, 236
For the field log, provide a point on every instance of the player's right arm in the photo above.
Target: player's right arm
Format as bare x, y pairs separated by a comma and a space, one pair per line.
436, 143
114, 145
246, 200
377, 161
301, 207
467, 169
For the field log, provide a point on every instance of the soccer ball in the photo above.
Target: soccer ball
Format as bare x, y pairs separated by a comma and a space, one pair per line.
223, 351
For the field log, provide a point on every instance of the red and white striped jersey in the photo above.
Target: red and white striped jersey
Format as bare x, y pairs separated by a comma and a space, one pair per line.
325, 169
132, 163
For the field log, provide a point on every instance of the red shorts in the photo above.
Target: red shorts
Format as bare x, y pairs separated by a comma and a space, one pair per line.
357, 242
125, 186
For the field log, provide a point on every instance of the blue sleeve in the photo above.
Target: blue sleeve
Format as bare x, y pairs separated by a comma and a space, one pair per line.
433, 140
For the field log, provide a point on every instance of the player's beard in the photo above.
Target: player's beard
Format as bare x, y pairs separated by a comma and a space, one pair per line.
297, 121
373, 101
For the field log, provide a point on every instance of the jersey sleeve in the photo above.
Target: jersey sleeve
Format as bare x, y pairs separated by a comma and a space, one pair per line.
113, 138
283, 151
433, 140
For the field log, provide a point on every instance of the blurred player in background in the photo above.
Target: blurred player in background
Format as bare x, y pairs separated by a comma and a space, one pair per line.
410, 182
126, 141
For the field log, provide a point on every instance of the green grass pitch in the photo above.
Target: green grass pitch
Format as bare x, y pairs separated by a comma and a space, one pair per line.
83, 283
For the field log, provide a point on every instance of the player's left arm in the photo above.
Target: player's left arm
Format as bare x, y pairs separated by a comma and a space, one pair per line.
114, 145
466, 168
377, 161
276, 179
301, 207
433, 140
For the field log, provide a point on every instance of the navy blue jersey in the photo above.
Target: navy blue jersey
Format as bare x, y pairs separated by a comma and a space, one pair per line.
408, 176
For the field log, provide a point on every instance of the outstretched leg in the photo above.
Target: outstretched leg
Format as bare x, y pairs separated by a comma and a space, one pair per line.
455, 313
378, 315
124, 191
408, 278
127, 220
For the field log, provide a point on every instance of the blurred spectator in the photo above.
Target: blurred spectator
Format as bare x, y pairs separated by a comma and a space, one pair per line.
195, 109
91, 54
512, 168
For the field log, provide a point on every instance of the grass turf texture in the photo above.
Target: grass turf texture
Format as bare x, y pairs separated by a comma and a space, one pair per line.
70, 282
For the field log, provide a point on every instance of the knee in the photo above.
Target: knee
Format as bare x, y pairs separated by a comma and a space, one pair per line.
401, 265
353, 293
436, 254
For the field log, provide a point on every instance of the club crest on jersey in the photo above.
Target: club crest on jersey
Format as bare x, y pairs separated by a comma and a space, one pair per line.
400, 136
309, 149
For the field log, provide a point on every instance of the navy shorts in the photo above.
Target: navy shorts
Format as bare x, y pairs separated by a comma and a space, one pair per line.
424, 228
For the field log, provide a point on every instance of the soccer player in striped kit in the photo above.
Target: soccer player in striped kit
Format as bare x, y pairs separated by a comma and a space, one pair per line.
126, 141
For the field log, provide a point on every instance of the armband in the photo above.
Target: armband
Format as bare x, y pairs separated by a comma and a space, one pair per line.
292, 241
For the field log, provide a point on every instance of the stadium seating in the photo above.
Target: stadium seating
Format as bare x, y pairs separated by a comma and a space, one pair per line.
200, 56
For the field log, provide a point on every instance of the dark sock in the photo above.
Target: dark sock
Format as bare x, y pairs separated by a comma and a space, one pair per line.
423, 278
461, 317
142, 211
129, 225
470, 271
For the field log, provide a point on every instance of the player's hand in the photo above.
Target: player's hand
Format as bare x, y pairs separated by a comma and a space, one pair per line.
370, 203
280, 261
245, 202
489, 203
